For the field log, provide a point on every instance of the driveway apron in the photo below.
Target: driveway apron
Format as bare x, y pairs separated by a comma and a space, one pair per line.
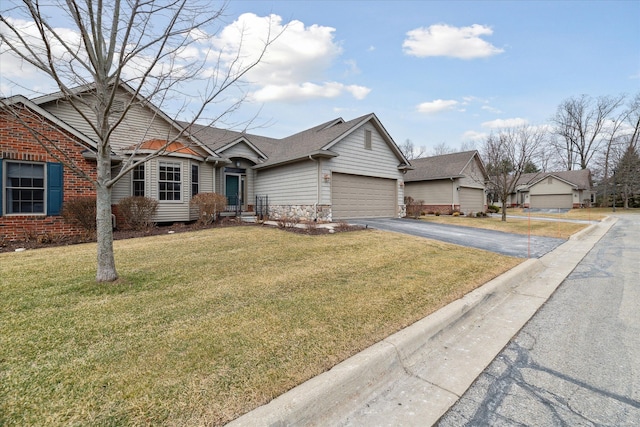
516, 245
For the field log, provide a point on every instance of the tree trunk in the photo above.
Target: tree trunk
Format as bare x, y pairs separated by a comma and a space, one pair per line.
106, 271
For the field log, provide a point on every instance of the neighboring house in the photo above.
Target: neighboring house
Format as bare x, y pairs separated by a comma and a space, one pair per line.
183, 168
336, 170
33, 180
554, 190
448, 183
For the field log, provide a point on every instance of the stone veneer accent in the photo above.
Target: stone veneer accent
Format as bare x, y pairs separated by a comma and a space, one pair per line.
310, 212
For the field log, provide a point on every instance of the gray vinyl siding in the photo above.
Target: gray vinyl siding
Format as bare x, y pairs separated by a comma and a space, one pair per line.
294, 184
556, 187
353, 158
139, 125
240, 150
438, 192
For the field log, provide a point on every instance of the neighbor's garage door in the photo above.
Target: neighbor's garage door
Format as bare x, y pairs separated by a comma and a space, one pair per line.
471, 200
356, 196
549, 201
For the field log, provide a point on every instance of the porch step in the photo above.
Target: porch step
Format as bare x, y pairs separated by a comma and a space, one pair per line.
248, 218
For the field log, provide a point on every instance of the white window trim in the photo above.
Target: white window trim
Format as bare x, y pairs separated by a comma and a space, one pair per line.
5, 171
173, 164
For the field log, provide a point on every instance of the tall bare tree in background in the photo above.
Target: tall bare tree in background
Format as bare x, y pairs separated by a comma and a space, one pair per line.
580, 123
411, 151
145, 44
507, 154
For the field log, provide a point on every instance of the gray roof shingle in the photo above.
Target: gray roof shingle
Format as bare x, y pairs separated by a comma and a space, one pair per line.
439, 167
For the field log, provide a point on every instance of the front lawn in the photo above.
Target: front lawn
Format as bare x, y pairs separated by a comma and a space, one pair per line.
207, 325
561, 230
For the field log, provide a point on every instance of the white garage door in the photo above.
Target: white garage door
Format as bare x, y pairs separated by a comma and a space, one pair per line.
471, 200
550, 201
356, 196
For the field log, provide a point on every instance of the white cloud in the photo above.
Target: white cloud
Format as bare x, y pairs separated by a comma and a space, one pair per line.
437, 106
295, 64
472, 135
444, 40
504, 123
491, 109
294, 92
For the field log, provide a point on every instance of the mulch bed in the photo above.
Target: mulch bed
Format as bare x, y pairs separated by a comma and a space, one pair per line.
11, 246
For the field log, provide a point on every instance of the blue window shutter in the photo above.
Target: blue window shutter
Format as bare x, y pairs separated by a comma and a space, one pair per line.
54, 188
1, 188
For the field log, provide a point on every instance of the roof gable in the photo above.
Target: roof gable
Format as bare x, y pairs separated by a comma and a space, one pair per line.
446, 166
144, 103
314, 142
7, 103
580, 179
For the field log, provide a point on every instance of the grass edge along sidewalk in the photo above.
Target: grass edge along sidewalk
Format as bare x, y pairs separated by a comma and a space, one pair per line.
208, 325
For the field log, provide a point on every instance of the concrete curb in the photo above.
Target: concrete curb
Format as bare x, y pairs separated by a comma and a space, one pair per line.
353, 382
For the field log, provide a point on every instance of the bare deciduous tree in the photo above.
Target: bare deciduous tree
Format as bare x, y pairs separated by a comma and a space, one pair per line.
507, 155
441, 149
148, 45
579, 125
410, 151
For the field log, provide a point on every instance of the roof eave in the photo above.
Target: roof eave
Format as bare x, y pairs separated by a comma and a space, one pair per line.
318, 154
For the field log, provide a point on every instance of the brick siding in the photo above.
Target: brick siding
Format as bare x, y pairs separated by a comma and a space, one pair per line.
17, 142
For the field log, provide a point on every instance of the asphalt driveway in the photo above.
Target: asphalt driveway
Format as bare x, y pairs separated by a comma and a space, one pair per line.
517, 245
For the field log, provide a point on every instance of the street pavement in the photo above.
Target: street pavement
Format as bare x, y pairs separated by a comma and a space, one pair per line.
577, 361
414, 376
517, 245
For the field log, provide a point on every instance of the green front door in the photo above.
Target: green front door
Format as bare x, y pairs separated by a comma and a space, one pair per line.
232, 189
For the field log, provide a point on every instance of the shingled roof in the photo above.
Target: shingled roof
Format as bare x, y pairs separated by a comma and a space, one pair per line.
581, 179
445, 166
316, 141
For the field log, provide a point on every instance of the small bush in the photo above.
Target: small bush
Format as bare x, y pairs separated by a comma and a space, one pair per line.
81, 211
493, 209
210, 206
136, 212
437, 213
342, 226
288, 221
470, 214
414, 207
481, 215
455, 213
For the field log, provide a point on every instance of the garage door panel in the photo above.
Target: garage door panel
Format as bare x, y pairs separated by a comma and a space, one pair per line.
471, 200
356, 196
552, 201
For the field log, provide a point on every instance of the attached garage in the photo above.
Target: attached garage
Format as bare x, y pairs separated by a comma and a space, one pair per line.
357, 196
551, 201
471, 200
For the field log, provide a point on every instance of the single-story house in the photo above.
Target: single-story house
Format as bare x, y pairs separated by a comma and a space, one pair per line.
554, 190
336, 170
34, 183
448, 183
339, 169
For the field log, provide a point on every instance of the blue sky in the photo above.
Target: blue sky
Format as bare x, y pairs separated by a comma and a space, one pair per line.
434, 72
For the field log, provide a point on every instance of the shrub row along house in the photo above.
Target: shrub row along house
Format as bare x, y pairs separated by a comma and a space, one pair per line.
339, 169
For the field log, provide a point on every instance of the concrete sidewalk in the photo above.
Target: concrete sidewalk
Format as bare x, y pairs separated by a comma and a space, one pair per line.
414, 376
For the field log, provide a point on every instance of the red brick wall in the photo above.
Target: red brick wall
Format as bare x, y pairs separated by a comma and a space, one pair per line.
18, 143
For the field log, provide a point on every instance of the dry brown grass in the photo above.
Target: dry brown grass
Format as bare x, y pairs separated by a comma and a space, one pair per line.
205, 326
561, 230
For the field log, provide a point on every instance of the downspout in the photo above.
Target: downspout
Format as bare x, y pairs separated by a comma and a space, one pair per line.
315, 205
453, 195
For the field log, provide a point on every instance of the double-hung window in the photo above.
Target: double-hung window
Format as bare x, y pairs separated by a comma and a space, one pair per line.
169, 181
25, 188
138, 180
195, 180
30, 188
